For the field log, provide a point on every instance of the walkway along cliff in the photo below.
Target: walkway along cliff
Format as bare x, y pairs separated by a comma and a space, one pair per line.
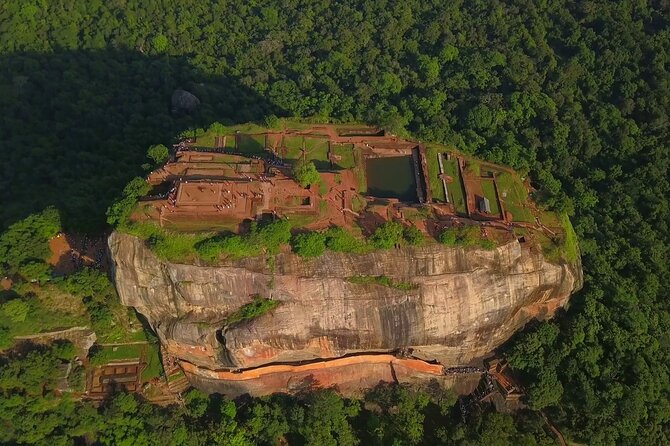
465, 304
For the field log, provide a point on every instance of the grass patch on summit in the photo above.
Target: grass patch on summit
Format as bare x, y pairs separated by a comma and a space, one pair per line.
514, 196
102, 355
489, 190
455, 188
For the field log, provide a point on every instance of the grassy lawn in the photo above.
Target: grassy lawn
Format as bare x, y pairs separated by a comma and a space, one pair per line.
49, 310
317, 152
251, 144
323, 188
176, 247
550, 219
154, 367
317, 148
514, 196
205, 140
299, 220
490, 193
554, 250
293, 145
570, 241
434, 181
230, 142
359, 171
473, 167
109, 353
455, 188
346, 154
295, 123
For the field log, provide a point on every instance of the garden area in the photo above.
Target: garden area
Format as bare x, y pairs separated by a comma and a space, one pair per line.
344, 156
315, 150
101, 355
434, 182
514, 197
455, 188
250, 144
489, 189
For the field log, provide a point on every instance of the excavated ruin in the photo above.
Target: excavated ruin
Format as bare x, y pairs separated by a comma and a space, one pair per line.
464, 305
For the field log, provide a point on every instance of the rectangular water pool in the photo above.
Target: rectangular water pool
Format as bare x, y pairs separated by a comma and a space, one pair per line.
391, 177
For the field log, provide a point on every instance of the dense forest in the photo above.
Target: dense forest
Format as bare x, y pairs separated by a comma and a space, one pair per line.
574, 94
386, 415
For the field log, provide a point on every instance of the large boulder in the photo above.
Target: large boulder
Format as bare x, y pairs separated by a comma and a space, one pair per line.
184, 102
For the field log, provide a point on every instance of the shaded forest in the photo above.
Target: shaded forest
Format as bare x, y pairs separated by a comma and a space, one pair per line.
574, 94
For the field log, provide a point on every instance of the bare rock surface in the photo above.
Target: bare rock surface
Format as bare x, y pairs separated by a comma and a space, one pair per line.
466, 303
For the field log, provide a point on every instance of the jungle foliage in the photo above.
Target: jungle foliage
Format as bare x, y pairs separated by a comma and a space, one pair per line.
575, 94
31, 414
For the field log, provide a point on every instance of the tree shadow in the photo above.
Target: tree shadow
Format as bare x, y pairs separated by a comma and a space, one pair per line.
76, 125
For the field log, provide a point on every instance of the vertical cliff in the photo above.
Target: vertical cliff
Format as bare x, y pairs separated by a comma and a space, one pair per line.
465, 303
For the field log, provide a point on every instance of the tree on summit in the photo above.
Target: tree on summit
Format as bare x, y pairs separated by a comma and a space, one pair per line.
306, 174
158, 153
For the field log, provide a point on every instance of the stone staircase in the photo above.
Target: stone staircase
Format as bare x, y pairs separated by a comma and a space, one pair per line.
179, 385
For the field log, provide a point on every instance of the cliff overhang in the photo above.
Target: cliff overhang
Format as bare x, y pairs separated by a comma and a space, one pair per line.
463, 304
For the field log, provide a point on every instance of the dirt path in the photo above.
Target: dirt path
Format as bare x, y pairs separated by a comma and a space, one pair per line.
554, 429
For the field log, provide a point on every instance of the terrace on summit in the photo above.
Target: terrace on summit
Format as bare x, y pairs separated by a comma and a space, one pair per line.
218, 181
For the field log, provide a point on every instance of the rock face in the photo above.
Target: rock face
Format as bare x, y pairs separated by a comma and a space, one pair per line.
467, 302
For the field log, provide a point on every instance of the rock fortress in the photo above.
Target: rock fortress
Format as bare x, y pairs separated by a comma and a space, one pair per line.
278, 321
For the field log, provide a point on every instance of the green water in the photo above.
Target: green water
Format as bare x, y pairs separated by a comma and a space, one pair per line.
391, 177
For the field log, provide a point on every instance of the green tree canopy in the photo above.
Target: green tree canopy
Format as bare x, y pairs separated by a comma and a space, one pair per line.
387, 235
309, 244
158, 153
306, 174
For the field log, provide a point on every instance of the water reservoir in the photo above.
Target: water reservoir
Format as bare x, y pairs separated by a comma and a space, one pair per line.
391, 177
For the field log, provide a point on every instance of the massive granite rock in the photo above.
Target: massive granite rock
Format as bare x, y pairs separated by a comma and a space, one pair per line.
466, 303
